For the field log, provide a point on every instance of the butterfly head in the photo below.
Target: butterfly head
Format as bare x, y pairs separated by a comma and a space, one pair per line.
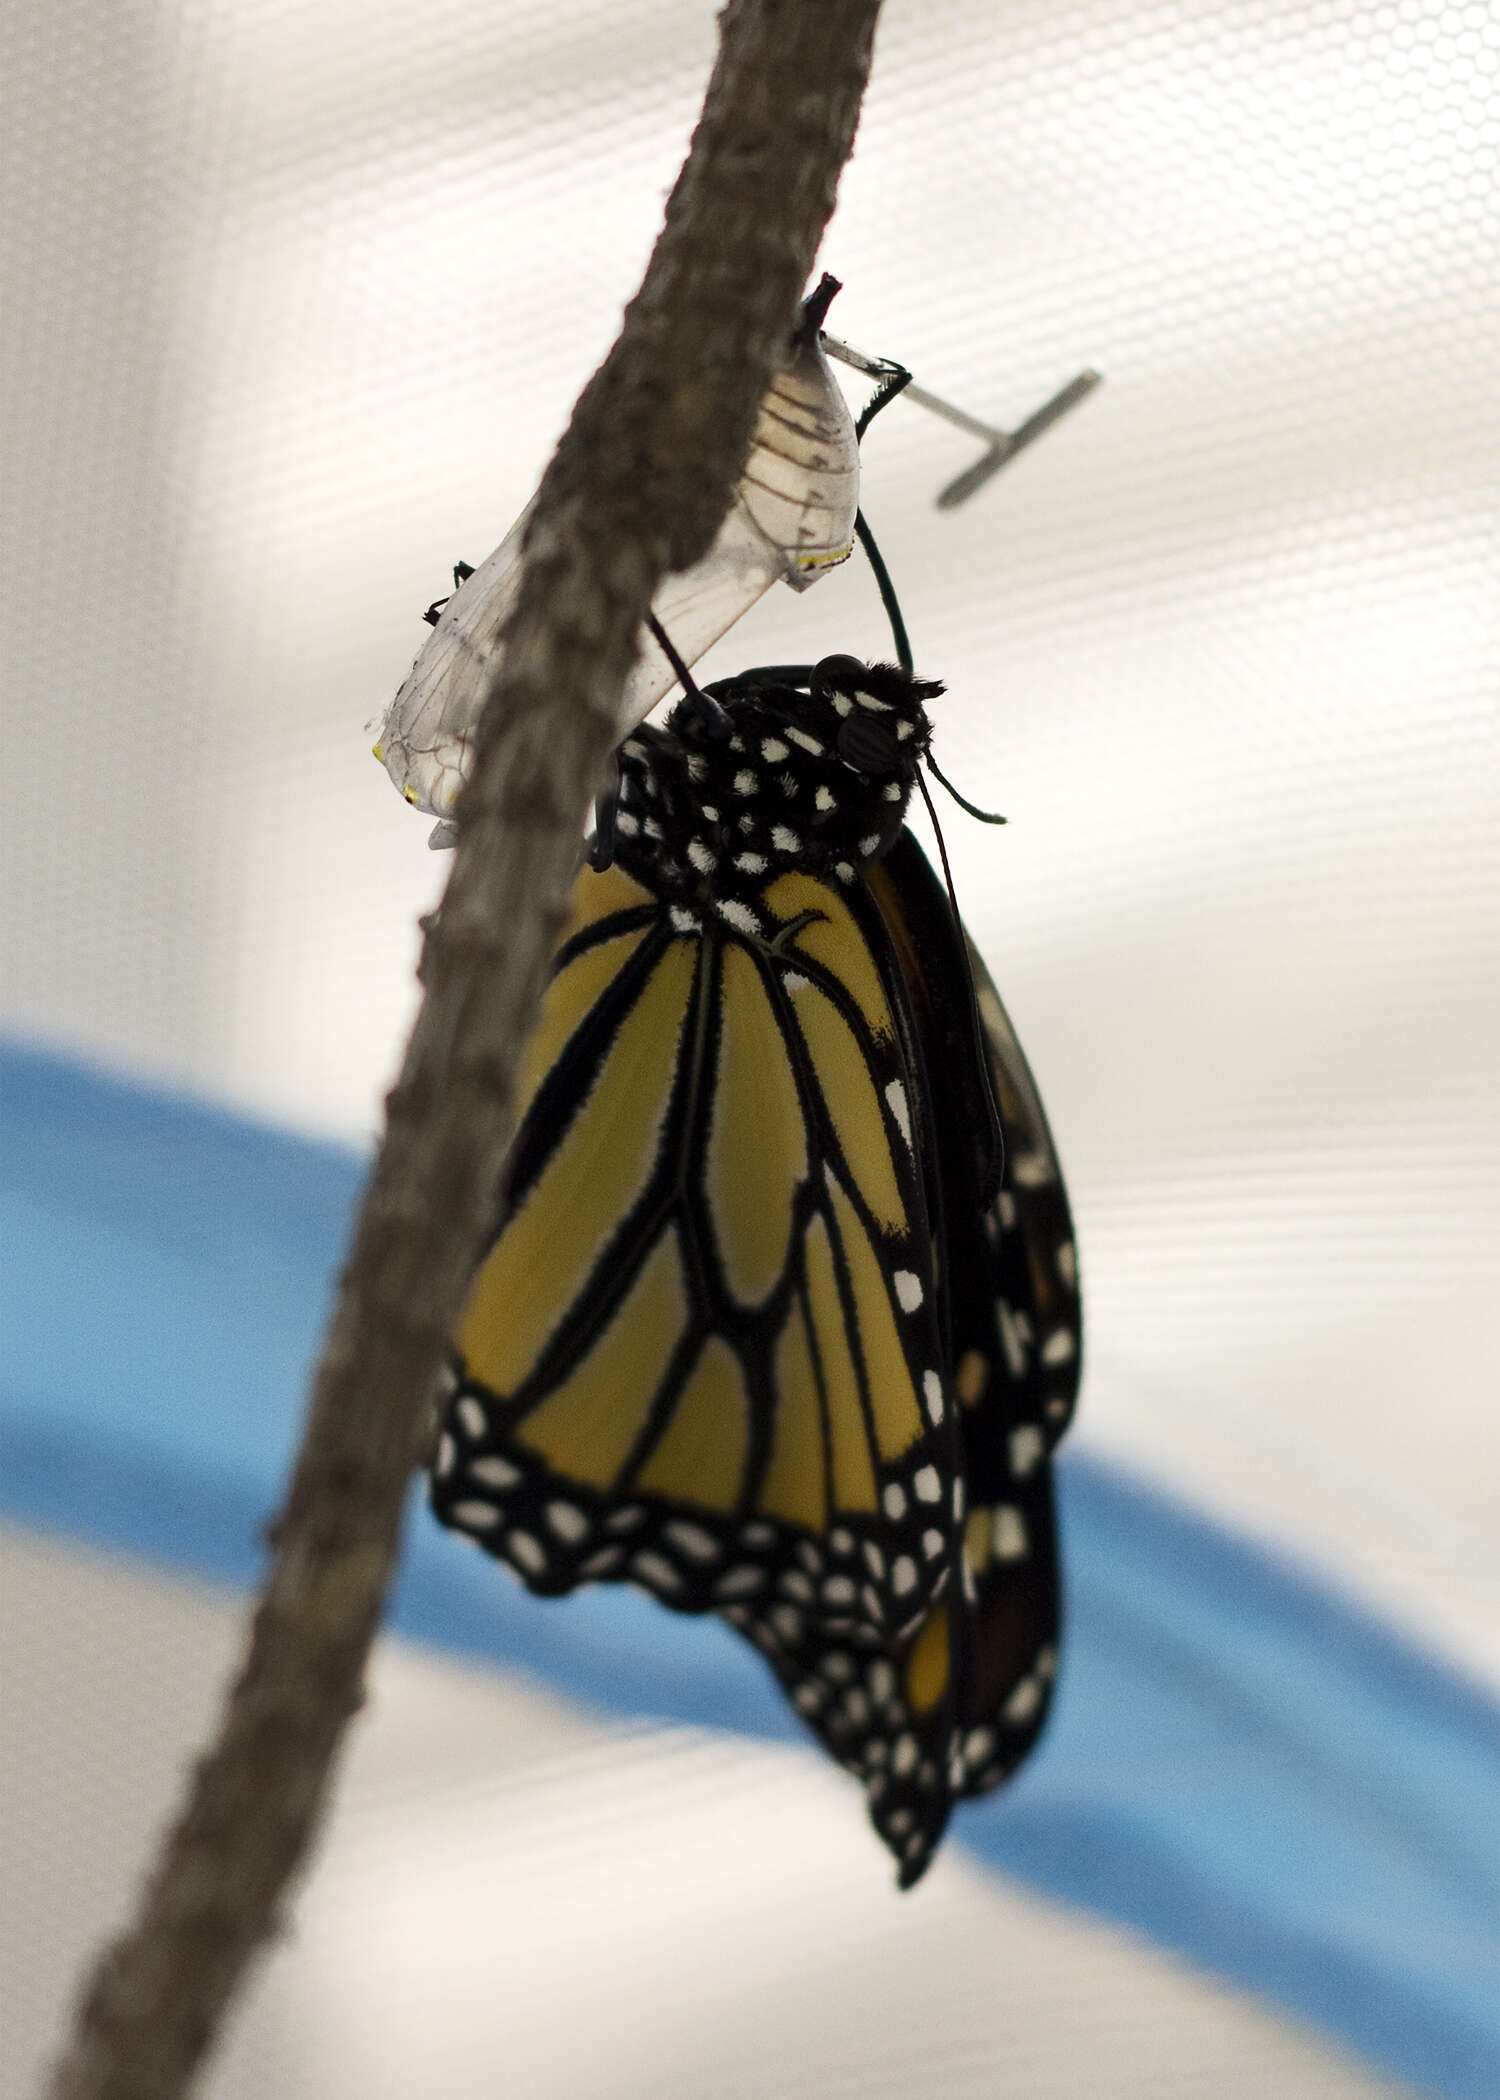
812, 773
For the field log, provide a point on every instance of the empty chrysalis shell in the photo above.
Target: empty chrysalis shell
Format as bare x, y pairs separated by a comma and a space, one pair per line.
792, 517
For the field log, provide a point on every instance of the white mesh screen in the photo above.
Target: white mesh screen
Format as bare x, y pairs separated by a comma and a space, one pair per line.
297, 299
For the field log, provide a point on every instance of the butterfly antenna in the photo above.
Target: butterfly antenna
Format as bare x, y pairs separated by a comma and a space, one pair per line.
937, 832
710, 713
985, 816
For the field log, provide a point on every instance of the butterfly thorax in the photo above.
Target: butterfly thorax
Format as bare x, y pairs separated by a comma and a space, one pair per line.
815, 778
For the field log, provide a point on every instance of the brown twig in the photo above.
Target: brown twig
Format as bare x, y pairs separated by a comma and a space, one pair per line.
638, 486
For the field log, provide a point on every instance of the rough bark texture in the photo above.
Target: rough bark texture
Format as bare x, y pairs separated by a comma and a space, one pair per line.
638, 485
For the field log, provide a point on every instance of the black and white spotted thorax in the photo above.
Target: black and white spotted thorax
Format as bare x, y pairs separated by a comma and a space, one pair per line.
814, 777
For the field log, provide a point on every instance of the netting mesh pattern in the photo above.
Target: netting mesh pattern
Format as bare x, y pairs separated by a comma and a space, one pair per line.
296, 300
513, 1894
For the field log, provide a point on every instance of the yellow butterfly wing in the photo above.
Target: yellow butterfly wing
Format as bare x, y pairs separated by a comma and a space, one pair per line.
704, 1353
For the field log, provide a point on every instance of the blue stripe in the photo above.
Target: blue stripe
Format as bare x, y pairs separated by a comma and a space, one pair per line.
1245, 1766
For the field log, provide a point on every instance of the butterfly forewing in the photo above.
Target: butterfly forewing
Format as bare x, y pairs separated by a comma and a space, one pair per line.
703, 1348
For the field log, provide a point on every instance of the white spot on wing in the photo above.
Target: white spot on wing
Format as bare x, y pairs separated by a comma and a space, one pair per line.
1009, 1535
1026, 1449
692, 1540
476, 1516
1011, 1340
656, 1572
979, 1747
567, 1520
932, 1392
1023, 1701
895, 1095
494, 1472
908, 1290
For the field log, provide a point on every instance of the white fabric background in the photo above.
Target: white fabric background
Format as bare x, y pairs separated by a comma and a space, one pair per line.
296, 300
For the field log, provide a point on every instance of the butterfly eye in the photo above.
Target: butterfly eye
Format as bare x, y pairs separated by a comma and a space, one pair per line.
836, 673
868, 746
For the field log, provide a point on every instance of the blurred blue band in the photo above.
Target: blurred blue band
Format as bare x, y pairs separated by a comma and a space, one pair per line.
1245, 1766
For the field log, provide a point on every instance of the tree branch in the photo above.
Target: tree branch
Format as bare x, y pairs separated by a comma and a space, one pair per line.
638, 486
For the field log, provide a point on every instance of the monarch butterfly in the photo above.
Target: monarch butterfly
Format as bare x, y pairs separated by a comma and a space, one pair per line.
783, 1320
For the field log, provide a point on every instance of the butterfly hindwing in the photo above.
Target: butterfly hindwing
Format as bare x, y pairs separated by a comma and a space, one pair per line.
1010, 1293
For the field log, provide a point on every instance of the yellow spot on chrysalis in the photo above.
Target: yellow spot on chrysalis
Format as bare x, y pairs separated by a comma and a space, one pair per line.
853, 1469
972, 1377
572, 994
587, 1427
834, 940
757, 1146
378, 751
927, 1664
893, 1395
977, 1538
796, 1486
528, 1282
700, 1458
853, 1105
